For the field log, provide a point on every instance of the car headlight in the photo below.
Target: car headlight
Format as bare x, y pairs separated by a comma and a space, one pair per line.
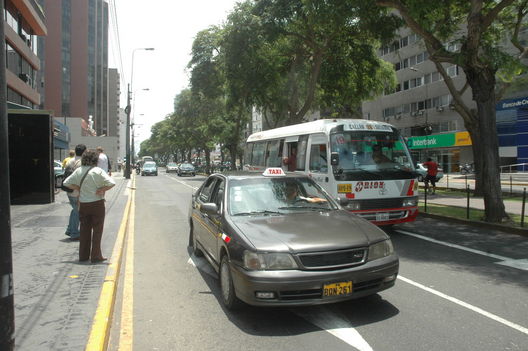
353, 205
269, 261
410, 201
380, 250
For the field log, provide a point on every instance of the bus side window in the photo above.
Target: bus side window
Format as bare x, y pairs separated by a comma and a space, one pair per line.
318, 158
257, 158
301, 152
248, 154
273, 155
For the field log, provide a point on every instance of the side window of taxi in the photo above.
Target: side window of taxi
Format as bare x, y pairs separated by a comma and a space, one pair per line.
218, 193
206, 189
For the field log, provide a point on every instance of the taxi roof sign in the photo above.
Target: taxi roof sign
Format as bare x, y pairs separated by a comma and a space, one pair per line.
274, 172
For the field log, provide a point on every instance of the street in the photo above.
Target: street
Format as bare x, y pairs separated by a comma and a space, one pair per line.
459, 288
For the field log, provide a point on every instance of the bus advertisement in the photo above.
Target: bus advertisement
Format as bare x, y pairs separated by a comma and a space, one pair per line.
364, 164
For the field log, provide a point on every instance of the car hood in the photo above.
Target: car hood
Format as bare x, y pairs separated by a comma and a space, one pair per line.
308, 232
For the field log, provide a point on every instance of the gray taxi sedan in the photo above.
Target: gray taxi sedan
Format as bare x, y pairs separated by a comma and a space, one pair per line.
279, 239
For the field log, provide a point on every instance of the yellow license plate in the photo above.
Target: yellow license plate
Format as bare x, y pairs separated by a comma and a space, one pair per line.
337, 289
344, 188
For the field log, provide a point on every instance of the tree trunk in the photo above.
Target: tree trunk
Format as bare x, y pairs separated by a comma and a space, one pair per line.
207, 161
485, 143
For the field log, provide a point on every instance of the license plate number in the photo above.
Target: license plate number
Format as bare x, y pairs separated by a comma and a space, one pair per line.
382, 216
344, 188
337, 289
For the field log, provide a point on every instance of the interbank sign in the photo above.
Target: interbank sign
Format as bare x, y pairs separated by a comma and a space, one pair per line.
440, 140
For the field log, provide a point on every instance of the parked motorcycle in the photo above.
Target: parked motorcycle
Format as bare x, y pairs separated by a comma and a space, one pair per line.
466, 168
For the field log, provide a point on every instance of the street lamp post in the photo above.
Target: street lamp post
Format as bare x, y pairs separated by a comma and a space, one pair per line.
427, 129
128, 110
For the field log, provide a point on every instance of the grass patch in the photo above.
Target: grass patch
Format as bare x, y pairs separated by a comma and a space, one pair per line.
461, 213
461, 193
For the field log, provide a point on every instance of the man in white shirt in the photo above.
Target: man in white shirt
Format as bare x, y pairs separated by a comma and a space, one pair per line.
103, 162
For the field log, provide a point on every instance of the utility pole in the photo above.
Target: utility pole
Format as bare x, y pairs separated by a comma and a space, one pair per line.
7, 299
127, 140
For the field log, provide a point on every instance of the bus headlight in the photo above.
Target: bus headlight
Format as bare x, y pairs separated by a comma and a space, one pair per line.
269, 261
353, 205
410, 201
380, 250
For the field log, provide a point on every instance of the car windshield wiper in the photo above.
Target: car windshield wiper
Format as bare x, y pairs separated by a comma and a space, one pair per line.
263, 212
311, 208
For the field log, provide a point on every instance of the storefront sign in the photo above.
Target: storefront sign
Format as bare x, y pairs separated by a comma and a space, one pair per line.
440, 140
512, 104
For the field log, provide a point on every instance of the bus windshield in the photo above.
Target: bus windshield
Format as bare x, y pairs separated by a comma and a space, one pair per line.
371, 155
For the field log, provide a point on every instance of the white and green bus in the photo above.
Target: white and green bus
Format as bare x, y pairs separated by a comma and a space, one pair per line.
365, 164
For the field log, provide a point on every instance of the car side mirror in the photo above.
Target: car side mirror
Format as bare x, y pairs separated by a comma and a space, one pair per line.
334, 158
209, 208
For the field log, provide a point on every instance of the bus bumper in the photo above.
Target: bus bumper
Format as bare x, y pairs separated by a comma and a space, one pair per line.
389, 216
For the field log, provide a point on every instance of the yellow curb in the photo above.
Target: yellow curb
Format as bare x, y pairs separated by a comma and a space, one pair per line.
98, 339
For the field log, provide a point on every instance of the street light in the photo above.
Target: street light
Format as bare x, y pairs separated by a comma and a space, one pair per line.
427, 129
128, 110
133, 154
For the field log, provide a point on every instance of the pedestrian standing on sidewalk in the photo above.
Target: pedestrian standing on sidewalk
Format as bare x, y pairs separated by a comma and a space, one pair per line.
103, 162
92, 182
71, 155
432, 171
73, 196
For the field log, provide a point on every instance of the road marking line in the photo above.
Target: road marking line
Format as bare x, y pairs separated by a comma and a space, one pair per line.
99, 333
126, 333
183, 183
507, 261
335, 325
467, 305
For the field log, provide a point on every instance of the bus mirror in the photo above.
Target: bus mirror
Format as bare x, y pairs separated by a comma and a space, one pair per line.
334, 159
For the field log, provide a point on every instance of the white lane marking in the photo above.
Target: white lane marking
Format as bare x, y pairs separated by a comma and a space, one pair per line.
496, 318
183, 183
335, 325
203, 265
506, 261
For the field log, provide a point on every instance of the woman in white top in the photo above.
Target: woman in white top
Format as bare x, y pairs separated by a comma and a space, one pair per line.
92, 183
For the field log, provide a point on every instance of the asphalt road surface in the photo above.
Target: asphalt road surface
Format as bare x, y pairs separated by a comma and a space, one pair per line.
459, 288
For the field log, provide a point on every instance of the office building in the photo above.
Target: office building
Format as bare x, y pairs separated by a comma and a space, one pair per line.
421, 107
75, 58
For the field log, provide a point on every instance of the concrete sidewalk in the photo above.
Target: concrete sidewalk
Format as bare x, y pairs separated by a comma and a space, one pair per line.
55, 295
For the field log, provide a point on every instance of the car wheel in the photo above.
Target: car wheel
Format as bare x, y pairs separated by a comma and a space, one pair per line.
420, 178
226, 285
192, 242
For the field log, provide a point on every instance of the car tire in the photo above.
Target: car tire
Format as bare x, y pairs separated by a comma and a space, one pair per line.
227, 289
192, 242
420, 178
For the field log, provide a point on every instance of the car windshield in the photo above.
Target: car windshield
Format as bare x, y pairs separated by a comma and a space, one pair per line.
371, 155
149, 165
187, 167
276, 195
172, 165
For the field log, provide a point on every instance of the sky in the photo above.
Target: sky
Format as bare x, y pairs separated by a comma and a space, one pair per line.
168, 26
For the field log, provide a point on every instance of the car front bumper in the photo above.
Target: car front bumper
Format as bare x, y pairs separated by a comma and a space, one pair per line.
296, 288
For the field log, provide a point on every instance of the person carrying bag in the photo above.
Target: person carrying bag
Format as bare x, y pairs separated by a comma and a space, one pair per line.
92, 183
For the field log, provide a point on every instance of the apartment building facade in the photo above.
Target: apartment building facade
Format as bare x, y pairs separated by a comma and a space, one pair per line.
24, 23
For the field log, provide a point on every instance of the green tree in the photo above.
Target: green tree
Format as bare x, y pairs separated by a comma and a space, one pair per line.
478, 26
322, 54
